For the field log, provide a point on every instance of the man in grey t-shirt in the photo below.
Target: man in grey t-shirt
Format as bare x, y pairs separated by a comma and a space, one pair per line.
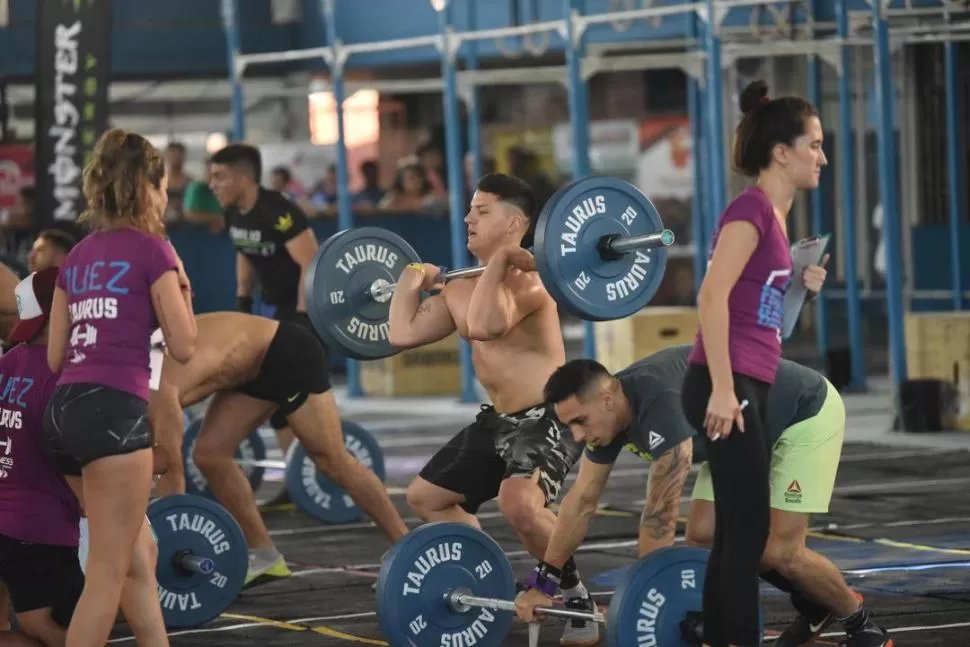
639, 409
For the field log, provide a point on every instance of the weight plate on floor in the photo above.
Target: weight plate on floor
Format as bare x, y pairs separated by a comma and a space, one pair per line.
427, 564
252, 448
193, 525
311, 491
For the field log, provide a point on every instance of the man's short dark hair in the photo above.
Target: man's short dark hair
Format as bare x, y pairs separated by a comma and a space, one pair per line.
242, 157
577, 377
63, 241
513, 191
176, 146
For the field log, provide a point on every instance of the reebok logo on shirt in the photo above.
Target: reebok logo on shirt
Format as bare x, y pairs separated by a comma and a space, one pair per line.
654, 440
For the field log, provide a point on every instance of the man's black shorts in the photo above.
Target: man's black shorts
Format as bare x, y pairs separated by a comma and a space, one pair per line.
41, 576
498, 446
85, 422
295, 365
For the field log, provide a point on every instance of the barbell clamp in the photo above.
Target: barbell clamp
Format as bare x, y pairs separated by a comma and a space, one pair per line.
186, 562
461, 600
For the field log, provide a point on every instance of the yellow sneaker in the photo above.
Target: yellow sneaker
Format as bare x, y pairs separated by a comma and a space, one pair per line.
261, 571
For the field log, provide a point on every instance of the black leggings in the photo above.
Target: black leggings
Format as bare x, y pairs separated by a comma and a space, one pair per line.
740, 474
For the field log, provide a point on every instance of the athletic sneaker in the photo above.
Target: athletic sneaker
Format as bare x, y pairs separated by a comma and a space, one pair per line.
263, 571
871, 635
580, 632
807, 627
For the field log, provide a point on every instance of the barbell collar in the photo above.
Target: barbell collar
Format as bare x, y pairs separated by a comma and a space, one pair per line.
188, 562
461, 600
625, 244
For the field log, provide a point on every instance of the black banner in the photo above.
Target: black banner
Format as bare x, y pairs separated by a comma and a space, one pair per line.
73, 72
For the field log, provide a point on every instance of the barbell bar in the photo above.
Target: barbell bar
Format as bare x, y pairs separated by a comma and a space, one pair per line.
462, 601
600, 250
611, 247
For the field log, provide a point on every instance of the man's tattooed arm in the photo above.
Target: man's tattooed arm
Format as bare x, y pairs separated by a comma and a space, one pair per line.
665, 484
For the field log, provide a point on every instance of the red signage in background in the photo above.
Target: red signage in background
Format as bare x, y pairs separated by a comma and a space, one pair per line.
16, 172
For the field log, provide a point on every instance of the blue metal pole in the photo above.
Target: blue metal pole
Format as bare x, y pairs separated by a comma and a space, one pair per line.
715, 113
696, 104
345, 217
471, 110
886, 137
456, 193
815, 198
953, 171
695, 112
579, 119
847, 176
230, 22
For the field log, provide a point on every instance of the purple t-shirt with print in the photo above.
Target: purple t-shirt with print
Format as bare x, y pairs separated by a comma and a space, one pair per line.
756, 303
108, 278
36, 505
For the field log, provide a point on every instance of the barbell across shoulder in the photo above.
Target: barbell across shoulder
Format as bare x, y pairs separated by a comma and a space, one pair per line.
600, 250
462, 601
611, 247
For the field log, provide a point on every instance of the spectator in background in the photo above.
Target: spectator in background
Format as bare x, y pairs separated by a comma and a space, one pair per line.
178, 181
431, 160
411, 190
372, 193
323, 198
49, 250
280, 179
200, 206
17, 228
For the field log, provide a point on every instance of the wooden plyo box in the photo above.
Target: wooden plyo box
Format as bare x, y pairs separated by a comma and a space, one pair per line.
621, 342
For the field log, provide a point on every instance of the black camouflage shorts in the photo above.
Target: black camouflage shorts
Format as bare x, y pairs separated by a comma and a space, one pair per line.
498, 446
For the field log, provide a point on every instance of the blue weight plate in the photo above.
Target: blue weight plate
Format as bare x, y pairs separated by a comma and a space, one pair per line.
204, 528
318, 496
425, 565
252, 448
572, 269
336, 289
656, 595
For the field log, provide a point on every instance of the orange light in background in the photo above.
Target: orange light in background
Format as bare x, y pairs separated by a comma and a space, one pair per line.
361, 118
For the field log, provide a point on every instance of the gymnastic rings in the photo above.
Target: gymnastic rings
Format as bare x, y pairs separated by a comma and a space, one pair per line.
783, 17
622, 5
536, 44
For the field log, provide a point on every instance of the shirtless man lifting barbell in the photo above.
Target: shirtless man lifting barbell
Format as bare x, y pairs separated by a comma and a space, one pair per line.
639, 409
254, 365
515, 449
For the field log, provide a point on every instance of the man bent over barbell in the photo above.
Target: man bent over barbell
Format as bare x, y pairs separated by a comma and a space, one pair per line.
639, 409
515, 449
253, 365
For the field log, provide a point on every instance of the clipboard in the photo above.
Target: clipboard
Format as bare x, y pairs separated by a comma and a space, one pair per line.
805, 252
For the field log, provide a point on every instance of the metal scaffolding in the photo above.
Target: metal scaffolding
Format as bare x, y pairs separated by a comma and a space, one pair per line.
704, 51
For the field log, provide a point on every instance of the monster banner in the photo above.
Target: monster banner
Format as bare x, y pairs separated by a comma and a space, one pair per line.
72, 104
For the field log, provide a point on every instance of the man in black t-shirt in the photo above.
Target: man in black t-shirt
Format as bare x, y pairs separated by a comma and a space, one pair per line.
639, 409
274, 245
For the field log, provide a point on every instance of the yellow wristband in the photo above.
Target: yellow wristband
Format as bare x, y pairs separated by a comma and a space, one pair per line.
417, 267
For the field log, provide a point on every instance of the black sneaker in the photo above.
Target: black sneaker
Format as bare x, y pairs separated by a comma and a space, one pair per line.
871, 635
804, 630
808, 626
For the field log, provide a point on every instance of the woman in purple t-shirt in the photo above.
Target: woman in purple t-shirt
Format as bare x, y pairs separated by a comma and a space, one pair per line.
738, 347
115, 287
